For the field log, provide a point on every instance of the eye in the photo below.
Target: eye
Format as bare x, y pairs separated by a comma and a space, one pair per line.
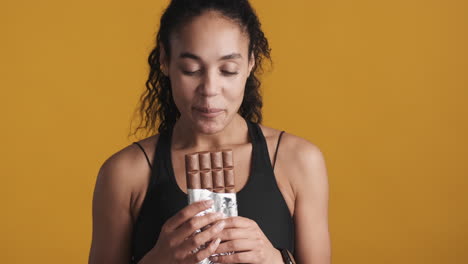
190, 73
229, 73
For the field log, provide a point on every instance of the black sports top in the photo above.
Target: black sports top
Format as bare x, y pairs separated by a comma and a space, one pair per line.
260, 199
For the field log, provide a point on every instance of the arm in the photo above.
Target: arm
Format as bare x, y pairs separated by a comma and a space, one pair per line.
308, 178
311, 206
112, 221
118, 179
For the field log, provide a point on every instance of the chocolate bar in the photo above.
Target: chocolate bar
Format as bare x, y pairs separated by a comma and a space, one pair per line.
210, 175
213, 171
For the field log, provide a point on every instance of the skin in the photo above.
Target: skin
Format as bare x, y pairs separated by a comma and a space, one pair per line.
204, 54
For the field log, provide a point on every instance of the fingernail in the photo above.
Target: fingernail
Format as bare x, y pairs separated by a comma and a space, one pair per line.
214, 259
209, 202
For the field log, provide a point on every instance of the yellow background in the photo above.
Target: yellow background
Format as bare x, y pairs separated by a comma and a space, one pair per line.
380, 86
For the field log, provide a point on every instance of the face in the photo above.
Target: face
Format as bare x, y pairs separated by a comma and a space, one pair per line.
208, 69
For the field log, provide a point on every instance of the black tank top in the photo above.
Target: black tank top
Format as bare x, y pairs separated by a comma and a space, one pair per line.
259, 200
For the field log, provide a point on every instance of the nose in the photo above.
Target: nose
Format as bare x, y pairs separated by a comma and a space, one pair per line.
209, 85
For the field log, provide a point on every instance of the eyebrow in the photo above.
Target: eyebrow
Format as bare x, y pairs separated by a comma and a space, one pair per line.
195, 57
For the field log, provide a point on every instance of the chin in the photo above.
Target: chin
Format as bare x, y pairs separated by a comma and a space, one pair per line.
209, 127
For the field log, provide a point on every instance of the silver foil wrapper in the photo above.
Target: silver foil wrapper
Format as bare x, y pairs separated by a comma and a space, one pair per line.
223, 202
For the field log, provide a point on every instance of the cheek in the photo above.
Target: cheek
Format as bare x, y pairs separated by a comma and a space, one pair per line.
235, 93
183, 92
183, 85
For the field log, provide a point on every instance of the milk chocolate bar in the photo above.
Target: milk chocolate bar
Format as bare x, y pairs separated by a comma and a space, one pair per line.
213, 171
210, 175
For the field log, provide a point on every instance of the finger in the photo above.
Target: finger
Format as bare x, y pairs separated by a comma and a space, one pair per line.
201, 238
205, 253
188, 212
241, 257
239, 221
194, 224
236, 233
239, 245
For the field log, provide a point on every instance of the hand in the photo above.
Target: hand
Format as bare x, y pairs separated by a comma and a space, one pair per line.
245, 237
176, 240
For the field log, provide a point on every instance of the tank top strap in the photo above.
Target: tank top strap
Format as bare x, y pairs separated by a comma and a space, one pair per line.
159, 173
262, 178
260, 153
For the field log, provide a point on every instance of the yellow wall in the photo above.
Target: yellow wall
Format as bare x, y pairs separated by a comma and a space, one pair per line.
379, 86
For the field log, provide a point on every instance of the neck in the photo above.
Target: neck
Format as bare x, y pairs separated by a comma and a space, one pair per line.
186, 137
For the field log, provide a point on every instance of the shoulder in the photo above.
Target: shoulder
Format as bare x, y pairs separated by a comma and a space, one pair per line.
124, 171
300, 159
113, 199
301, 149
304, 152
131, 157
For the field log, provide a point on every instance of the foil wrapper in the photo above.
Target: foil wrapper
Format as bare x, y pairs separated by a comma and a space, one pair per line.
223, 202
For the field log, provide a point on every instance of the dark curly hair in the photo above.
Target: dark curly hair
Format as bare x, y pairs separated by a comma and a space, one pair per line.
157, 103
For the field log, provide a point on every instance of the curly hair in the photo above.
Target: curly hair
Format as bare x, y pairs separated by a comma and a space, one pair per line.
157, 103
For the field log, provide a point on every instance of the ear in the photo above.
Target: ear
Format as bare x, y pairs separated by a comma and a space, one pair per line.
163, 60
251, 62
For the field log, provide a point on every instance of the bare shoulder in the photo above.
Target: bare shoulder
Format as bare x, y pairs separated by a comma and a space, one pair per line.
117, 184
127, 169
303, 163
300, 159
303, 151
129, 154
307, 163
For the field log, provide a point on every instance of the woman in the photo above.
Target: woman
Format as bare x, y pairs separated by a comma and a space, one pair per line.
204, 91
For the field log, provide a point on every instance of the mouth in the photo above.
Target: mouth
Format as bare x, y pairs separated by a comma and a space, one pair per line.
208, 112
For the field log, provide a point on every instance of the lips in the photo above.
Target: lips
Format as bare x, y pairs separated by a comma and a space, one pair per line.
207, 111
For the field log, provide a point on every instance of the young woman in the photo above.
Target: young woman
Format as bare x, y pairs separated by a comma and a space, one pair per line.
203, 94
